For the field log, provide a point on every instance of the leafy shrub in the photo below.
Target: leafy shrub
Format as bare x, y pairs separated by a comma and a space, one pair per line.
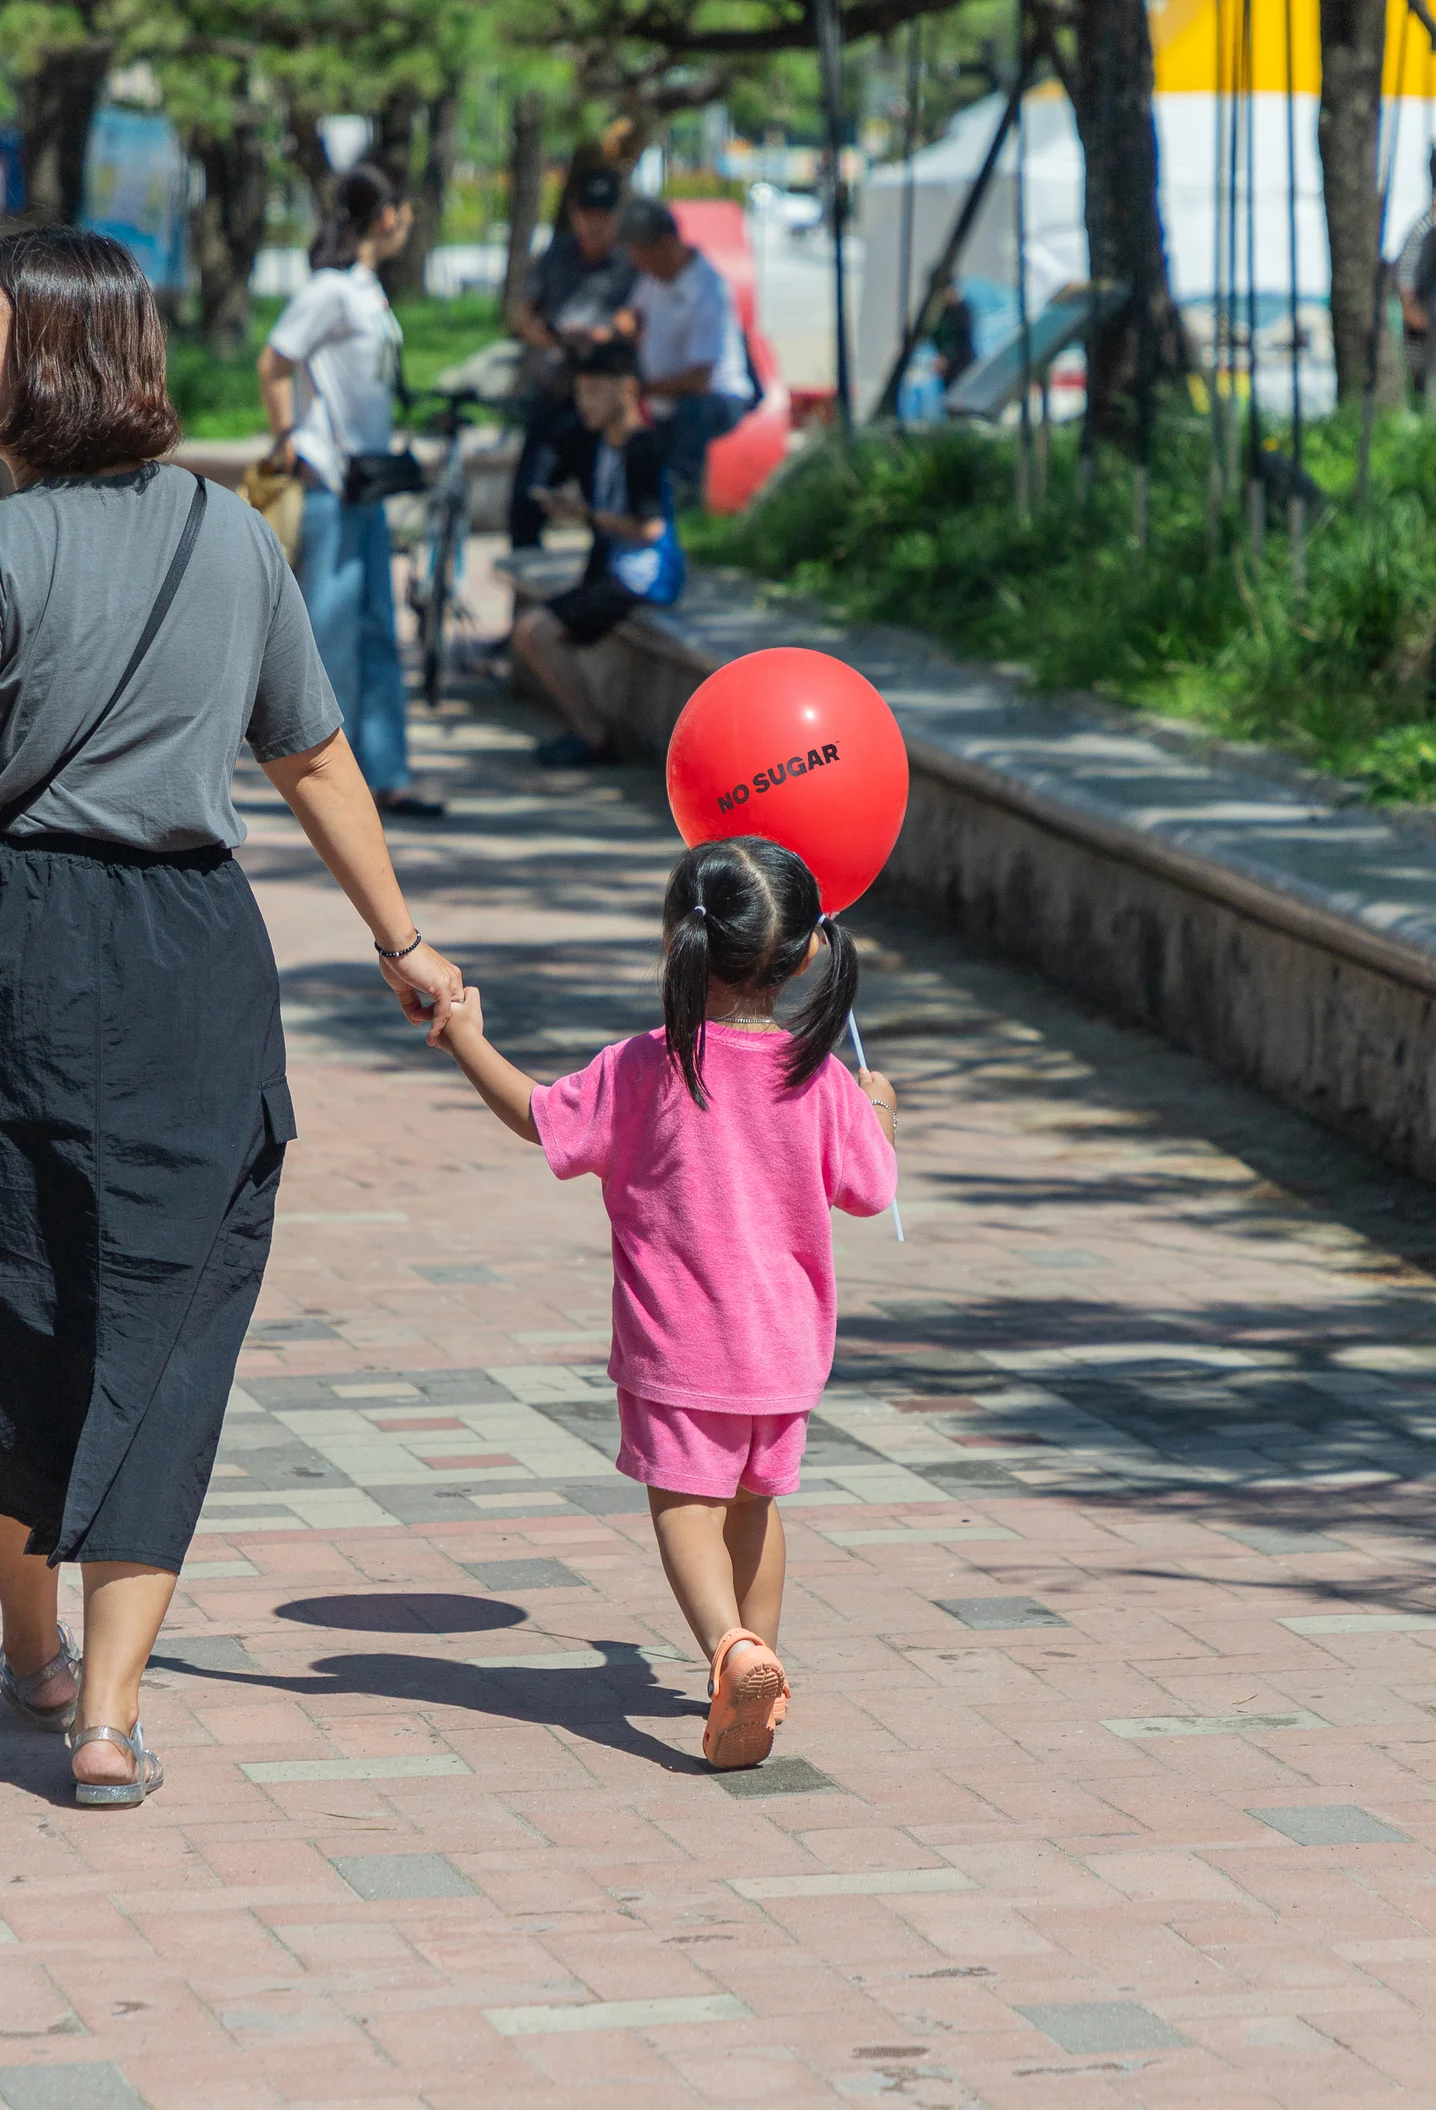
922, 528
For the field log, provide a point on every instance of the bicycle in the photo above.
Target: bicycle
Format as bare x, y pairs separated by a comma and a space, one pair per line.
436, 565
488, 377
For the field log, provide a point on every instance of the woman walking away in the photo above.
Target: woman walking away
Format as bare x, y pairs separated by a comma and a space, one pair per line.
148, 625
329, 375
723, 1141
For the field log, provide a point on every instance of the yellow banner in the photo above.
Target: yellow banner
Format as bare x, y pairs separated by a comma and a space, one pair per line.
1197, 46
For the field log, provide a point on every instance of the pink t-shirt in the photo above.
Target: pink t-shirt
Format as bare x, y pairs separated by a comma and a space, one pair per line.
724, 1296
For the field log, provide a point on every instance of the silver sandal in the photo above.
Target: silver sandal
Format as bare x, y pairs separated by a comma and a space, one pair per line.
119, 1794
20, 1692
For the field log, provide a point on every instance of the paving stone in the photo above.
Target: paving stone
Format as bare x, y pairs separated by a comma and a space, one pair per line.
473, 1272
616, 2014
89, 2085
1329, 1824
1361, 1623
617, 1497
776, 1776
271, 1772
1245, 1724
861, 1883
1279, 1538
375, 1877
423, 1505
524, 1575
269, 1333
1102, 2025
202, 1652
999, 1613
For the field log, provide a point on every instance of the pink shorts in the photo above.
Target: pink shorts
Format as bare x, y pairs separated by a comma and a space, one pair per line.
688, 1452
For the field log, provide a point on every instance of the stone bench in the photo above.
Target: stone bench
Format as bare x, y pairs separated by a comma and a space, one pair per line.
1248, 910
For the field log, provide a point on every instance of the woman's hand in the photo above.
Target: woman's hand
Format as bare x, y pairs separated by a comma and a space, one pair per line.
323, 788
427, 985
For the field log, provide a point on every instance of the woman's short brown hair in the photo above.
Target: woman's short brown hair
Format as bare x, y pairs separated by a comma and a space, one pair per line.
83, 383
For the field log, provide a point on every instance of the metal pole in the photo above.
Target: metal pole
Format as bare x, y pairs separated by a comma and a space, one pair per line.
1295, 504
1256, 490
1097, 218
1234, 133
1024, 323
909, 185
830, 52
1428, 378
1217, 485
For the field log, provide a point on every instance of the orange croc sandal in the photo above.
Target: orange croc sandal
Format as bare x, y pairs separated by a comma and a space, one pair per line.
748, 1696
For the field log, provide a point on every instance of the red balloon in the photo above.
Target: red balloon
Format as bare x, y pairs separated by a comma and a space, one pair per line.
800, 748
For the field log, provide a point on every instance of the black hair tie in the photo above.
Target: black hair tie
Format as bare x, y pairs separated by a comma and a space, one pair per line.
699, 911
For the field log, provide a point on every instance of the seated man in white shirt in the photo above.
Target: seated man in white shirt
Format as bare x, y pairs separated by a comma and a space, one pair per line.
691, 352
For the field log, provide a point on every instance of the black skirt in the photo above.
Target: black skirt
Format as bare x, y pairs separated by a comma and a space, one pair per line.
143, 1118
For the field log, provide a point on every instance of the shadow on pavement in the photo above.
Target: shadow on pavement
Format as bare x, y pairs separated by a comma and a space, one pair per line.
594, 1704
409, 1613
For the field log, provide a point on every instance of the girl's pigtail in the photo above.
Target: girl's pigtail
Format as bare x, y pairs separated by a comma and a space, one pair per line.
685, 998
818, 1026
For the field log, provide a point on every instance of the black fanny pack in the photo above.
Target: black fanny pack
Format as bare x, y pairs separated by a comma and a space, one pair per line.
371, 477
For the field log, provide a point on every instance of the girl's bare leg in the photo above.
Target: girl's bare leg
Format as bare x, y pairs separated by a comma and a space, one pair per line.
754, 1536
724, 1562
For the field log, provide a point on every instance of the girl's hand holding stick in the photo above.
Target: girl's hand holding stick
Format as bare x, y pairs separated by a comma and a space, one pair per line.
883, 1100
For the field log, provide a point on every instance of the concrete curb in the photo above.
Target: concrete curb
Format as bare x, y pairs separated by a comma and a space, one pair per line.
1300, 955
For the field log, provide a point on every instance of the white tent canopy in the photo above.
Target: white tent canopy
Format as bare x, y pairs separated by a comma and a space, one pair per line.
1056, 239
942, 176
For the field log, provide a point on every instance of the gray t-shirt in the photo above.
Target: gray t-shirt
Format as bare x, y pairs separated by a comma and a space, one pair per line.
81, 562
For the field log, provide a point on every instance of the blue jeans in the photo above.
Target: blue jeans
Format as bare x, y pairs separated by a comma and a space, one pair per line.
348, 588
686, 437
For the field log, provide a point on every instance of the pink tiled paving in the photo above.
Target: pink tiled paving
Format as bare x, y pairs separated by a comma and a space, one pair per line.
1108, 1779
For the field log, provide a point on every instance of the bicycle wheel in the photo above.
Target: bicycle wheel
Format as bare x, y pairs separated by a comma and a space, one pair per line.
438, 595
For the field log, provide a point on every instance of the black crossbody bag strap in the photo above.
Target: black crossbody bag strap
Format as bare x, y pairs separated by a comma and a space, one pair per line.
179, 564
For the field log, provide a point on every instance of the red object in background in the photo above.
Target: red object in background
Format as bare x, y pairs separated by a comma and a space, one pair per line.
799, 748
742, 461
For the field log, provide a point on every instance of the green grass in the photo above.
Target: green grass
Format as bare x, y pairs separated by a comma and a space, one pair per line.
218, 399
922, 529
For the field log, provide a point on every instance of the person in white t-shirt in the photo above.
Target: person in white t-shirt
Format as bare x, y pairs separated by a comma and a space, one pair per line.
329, 375
690, 349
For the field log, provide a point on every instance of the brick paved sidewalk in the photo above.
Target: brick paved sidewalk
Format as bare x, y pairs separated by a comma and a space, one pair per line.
1108, 1777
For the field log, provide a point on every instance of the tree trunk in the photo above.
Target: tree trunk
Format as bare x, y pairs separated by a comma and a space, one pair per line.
312, 160
1353, 45
525, 195
226, 231
404, 277
1143, 344
57, 102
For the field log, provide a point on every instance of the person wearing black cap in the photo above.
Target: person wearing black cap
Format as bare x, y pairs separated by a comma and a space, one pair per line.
575, 295
606, 473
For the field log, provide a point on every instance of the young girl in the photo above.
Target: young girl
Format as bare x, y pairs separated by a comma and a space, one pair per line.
722, 1141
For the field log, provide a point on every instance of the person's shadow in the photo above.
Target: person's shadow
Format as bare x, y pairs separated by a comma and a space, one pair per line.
595, 1702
